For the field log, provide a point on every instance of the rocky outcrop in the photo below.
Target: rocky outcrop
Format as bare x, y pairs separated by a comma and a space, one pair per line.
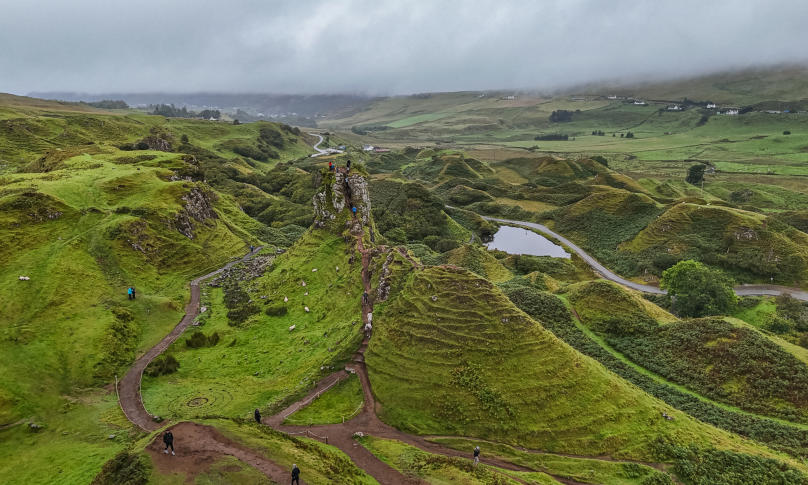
153, 142
198, 207
342, 192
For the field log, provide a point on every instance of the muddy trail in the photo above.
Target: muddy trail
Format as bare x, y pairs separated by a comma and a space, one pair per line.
198, 446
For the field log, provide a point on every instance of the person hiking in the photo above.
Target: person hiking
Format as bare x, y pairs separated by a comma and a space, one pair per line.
257, 416
330, 166
353, 209
476, 455
365, 298
168, 439
348, 166
252, 248
295, 475
134, 293
130, 293
368, 329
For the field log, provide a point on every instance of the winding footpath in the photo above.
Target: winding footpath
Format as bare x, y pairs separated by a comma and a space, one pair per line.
740, 290
129, 386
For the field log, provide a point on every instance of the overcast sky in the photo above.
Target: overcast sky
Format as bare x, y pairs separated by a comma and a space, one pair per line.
382, 47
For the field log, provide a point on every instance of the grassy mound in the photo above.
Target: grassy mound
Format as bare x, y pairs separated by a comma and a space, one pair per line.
733, 364
478, 260
603, 220
745, 243
509, 379
601, 300
259, 362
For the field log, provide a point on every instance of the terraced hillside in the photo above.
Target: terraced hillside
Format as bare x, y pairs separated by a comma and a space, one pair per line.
733, 364
504, 378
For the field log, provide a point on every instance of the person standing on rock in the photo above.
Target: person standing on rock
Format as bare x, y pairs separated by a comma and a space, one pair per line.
295, 475
168, 439
257, 416
476, 455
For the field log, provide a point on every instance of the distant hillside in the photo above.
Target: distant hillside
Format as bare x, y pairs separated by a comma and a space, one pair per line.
748, 86
306, 106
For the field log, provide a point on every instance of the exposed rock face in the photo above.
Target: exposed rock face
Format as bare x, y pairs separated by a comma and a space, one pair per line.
155, 143
745, 234
384, 279
344, 192
198, 207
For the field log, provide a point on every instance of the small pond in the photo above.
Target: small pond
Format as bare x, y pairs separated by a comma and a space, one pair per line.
515, 240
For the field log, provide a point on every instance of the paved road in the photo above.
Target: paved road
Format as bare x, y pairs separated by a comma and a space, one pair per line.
740, 290
321, 151
316, 146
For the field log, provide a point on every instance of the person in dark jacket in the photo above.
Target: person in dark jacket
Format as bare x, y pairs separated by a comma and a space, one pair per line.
295, 475
134, 292
476, 455
348, 165
257, 416
168, 439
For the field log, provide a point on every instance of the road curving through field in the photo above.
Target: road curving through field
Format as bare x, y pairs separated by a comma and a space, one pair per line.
740, 290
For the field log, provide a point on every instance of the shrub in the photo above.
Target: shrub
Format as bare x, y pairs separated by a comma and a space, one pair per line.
124, 469
162, 365
786, 132
697, 290
695, 174
708, 465
277, 310
601, 160
199, 339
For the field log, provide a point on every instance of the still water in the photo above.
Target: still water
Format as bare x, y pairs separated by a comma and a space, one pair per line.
515, 240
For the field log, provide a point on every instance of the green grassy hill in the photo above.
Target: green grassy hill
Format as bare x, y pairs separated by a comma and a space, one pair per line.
504, 378
92, 202
740, 241
733, 364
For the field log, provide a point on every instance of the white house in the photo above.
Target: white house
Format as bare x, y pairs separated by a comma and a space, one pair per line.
508, 98
639, 102
611, 97
732, 111
367, 148
711, 106
675, 107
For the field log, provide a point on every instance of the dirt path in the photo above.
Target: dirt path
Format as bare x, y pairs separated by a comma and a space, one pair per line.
129, 387
197, 446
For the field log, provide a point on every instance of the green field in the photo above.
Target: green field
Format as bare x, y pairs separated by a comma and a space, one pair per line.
260, 363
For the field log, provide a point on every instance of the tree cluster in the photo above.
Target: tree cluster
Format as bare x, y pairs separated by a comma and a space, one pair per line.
561, 116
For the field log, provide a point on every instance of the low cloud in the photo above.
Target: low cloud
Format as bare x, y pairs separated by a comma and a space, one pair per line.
383, 47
